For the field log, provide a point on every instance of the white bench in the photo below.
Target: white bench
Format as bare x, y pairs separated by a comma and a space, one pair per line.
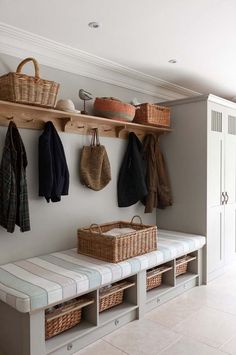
28, 287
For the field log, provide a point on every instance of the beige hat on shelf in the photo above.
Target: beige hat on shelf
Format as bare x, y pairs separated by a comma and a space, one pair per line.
66, 105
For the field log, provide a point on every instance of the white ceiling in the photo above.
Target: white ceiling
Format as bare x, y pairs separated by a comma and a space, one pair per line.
143, 35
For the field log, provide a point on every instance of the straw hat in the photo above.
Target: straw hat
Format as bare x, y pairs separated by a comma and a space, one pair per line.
66, 105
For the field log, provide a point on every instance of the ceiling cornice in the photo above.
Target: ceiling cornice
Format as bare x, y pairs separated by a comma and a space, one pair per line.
20, 43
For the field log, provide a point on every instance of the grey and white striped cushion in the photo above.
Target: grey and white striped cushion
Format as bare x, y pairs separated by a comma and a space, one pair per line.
38, 282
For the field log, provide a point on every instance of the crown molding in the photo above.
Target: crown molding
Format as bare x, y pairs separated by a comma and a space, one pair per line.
20, 43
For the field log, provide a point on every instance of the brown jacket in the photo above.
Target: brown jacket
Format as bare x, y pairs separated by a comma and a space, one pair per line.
159, 190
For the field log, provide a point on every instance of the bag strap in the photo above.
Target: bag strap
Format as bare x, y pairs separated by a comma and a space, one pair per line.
92, 144
95, 138
36, 66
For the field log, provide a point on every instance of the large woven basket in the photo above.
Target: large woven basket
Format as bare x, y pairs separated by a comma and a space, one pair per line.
30, 90
182, 264
154, 277
152, 114
93, 242
64, 317
113, 296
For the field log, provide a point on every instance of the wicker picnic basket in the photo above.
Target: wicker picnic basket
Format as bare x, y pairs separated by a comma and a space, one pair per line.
152, 114
114, 295
30, 90
182, 264
154, 276
93, 242
64, 317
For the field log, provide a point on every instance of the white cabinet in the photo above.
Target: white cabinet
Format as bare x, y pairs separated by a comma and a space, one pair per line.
201, 158
222, 179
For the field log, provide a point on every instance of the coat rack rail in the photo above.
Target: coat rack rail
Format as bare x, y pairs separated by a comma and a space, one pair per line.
34, 117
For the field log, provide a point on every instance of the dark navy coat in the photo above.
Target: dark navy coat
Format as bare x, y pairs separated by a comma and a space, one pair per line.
53, 170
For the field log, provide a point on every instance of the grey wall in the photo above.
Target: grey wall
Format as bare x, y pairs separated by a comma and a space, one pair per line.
53, 226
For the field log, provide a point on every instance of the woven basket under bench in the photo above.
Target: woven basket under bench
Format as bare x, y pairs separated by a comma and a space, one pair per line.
182, 264
93, 242
154, 276
57, 320
114, 295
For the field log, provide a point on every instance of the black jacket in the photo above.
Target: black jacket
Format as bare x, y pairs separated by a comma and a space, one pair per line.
53, 170
131, 182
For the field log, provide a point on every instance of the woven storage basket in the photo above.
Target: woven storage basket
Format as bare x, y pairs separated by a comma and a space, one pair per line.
154, 277
182, 264
113, 296
30, 90
64, 317
152, 114
92, 241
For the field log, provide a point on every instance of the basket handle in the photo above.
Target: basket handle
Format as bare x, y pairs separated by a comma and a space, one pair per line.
95, 225
140, 219
30, 59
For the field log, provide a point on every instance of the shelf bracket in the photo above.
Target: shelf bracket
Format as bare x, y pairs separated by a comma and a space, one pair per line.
118, 129
68, 123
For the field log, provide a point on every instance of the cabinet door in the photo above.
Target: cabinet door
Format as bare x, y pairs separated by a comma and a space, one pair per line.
230, 187
215, 187
229, 233
215, 157
215, 238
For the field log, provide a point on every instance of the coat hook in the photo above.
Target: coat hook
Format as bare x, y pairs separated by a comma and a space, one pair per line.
94, 129
108, 130
10, 118
80, 127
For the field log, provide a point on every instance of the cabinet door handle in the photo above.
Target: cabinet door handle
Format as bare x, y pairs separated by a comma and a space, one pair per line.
222, 198
227, 197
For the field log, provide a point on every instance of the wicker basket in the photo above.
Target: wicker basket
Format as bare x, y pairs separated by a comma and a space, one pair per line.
152, 114
154, 276
93, 242
182, 264
30, 90
113, 296
64, 317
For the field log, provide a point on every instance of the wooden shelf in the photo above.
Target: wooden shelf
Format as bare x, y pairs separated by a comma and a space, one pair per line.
34, 117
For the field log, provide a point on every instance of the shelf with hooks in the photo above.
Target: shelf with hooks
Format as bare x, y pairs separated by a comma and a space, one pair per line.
34, 117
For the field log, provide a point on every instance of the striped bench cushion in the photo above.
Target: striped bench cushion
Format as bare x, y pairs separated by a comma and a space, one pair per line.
38, 282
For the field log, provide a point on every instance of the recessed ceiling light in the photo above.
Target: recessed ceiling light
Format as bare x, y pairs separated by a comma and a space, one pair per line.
94, 24
172, 61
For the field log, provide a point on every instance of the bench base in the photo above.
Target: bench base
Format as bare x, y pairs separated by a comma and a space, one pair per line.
23, 333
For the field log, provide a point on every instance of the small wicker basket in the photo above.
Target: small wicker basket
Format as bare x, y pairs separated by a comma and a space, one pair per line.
30, 90
154, 276
182, 264
93, 242
113, 296
152, 114
64, 317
